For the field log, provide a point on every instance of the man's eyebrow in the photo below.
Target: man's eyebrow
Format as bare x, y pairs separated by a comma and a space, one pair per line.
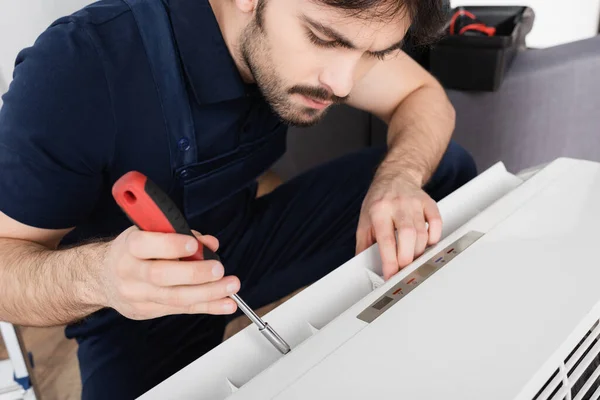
390, 49
343, 41
332, 33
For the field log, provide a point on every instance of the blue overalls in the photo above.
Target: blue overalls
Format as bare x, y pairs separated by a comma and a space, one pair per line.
275, 244
206, 183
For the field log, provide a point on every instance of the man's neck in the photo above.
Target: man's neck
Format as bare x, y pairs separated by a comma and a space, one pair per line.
231, 23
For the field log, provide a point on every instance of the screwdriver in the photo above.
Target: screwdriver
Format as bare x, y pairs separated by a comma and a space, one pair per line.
150, 209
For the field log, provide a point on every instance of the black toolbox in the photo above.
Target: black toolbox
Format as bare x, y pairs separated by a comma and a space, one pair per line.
480, 62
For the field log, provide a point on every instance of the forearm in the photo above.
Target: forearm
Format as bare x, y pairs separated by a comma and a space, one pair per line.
42, 287
418, 135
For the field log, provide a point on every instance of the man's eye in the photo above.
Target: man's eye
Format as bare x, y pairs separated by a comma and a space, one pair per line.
320, 42
386, 56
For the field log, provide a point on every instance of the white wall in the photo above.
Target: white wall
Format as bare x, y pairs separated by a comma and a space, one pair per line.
21, 22
556, 21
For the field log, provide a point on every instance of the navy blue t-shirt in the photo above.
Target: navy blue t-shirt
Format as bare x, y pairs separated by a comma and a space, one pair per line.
83, 109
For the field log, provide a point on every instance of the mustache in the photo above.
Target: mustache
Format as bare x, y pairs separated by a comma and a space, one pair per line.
317, 93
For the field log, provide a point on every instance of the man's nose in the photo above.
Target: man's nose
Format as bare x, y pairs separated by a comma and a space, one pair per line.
339, 76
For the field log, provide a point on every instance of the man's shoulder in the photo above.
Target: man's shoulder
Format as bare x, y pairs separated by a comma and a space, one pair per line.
102, 35
85, 34
98, 14
63, 77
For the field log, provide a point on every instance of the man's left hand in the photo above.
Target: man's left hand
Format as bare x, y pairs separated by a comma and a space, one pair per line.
397, 203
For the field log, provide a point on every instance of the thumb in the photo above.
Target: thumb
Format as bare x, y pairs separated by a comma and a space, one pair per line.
208, 240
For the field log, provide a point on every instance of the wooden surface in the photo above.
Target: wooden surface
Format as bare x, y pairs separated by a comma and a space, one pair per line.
55, 362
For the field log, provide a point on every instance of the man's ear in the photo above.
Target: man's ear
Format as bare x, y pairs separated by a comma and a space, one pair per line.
247, 6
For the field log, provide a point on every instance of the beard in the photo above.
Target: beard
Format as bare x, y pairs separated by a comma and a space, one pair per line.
256, 54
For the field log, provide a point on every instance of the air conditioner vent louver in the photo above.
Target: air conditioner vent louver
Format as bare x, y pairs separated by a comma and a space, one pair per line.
550, 388
578, 377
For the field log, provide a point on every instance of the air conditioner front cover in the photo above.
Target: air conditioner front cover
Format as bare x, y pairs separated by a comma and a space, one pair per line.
495, 323
513, 316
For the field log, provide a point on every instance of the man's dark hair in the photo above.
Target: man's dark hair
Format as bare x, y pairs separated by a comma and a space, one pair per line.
428, 17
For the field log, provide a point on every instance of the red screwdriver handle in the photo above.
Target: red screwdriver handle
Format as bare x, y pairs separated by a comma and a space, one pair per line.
150, 209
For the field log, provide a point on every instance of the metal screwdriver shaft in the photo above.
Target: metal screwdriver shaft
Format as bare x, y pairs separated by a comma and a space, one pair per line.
263, 327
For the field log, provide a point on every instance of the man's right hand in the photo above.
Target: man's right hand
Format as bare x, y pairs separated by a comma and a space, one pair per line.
142, 278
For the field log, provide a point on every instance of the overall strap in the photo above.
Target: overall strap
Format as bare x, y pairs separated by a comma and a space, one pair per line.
155, 29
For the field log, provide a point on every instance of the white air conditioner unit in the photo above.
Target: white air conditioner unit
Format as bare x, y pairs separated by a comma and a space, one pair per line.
505, 307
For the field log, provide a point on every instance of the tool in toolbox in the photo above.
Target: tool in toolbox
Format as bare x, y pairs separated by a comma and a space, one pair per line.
464, 22
150, 209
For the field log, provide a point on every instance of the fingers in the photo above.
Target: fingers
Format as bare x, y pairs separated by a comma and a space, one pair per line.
364, 238
409, 216
413, 236
152, 310
208, 240
421, 234
217, 307
175, 273
188, 296
386, 238
434, 219
146, 278
407, 237
168, 246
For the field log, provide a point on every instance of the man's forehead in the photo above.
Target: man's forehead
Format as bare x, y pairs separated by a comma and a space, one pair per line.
360, 25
